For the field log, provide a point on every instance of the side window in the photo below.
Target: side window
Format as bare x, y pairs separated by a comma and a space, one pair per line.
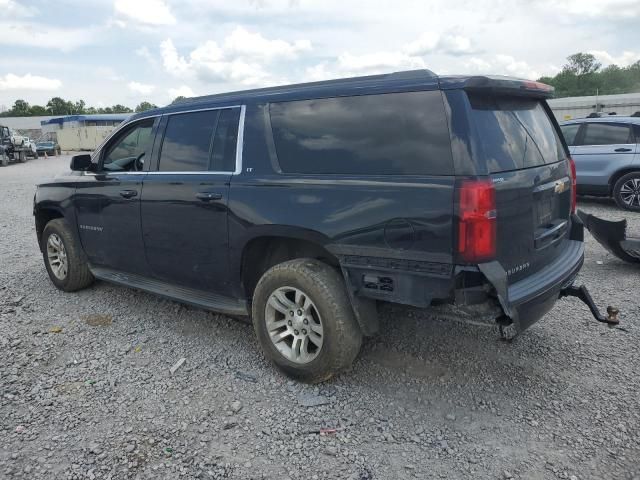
387, 134
606, 134
569, 132
225, 141
127, 152
187, 142
636, 131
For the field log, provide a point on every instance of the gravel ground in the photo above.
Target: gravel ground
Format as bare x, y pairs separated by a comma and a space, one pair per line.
86, 389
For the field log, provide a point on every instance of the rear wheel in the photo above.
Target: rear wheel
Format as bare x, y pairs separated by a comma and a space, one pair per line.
626, 191
22, 156
66, 263
304, 321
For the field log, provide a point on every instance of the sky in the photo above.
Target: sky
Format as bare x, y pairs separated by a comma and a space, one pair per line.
108, 52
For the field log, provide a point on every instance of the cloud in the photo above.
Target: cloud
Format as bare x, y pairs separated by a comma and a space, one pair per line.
596, 8
11, 81
46, 36
349, 65
145, 12
141, 88
182, 91
11, 8
501, 65
241, 59
448, 43
246, 44
625, 59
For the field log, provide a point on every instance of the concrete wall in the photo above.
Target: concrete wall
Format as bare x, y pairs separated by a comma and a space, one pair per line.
580, 107
82, 138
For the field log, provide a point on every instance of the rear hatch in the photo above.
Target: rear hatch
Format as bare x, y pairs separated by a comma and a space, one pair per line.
521, 150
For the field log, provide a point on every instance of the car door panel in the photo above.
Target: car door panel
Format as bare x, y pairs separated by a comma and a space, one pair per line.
107, 205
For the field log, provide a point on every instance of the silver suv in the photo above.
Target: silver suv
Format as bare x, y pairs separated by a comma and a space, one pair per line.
606, 152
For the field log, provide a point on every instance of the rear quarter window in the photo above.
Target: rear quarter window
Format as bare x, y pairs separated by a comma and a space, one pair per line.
607, 134
515, 133
387, 134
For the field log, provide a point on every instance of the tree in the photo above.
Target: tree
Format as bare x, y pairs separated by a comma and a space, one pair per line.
581, 64
37, 110
20, 109
144, 106
178, 99
120, 109
59, 106
78, 107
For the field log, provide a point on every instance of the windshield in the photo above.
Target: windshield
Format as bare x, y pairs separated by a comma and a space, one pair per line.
515, 133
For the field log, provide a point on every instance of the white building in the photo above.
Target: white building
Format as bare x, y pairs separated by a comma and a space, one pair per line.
82, 132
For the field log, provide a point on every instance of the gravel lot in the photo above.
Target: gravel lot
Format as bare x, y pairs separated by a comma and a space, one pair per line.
86, 389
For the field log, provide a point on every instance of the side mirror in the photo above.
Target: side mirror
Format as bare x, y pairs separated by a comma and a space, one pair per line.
81, 162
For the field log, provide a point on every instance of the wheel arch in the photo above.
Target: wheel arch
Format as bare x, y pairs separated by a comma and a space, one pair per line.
44, 215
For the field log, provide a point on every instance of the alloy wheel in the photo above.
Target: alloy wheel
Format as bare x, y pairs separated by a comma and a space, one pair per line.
57, 256
294, 325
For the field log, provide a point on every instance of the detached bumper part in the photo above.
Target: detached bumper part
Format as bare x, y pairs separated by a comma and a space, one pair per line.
613, 237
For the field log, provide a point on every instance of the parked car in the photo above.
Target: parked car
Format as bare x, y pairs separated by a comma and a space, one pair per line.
307, 205
606, 151
49, 147
30, 145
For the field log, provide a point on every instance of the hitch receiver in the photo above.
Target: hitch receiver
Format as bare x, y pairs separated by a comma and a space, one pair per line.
582, 293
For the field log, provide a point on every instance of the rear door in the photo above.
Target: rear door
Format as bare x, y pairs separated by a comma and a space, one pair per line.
184, 200
525, 158
601, 150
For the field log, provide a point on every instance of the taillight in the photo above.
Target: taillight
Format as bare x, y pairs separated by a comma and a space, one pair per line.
477, 227
574, 185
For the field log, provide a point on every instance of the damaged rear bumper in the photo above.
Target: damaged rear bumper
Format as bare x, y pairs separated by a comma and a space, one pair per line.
613, 237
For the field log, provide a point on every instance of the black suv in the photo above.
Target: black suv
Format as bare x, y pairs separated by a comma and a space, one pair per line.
305, 206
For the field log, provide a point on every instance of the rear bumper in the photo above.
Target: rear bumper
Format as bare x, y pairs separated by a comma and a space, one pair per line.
527, 301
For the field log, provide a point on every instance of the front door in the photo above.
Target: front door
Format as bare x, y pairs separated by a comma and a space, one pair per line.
107, 202
184, 199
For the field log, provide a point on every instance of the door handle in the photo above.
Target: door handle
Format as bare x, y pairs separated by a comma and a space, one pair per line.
128, 193
208, 196
622, 149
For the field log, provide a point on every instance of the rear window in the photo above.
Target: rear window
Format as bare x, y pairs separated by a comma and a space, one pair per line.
388, 134
570, 132
515, 133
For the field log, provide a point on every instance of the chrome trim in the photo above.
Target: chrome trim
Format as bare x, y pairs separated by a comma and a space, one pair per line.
239, 144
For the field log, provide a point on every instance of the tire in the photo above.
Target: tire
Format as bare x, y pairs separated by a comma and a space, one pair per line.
325, 294
22, 156
78, 275
623, 192
4, 161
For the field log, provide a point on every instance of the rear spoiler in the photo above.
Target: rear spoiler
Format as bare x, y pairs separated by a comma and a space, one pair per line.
498, 85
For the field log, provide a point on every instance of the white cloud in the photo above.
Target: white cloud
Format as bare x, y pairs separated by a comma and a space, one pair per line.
596, 8
246, 44
501, 65
46, 36
431, 42
241, 59
349, 65
182, 91
146, 12
11, 8
28, 82
141, 88
625, 59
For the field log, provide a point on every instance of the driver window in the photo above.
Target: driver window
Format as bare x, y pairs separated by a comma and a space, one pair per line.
127, 153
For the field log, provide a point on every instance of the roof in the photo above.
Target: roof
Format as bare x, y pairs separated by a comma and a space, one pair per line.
605, 119
86, 118
386, 83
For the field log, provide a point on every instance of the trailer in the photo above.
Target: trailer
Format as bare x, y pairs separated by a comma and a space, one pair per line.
13, 147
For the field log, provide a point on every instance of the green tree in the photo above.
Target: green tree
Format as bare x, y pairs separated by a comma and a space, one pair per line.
37, 110
178, 99
20, 109
79, 107
120, 109
59, 106
144, 106
581, 64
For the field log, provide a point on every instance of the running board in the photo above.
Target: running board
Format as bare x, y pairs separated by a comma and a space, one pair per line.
196, 298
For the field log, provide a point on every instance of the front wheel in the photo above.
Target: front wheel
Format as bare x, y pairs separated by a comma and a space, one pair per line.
66, 263
626, 191
304, 322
